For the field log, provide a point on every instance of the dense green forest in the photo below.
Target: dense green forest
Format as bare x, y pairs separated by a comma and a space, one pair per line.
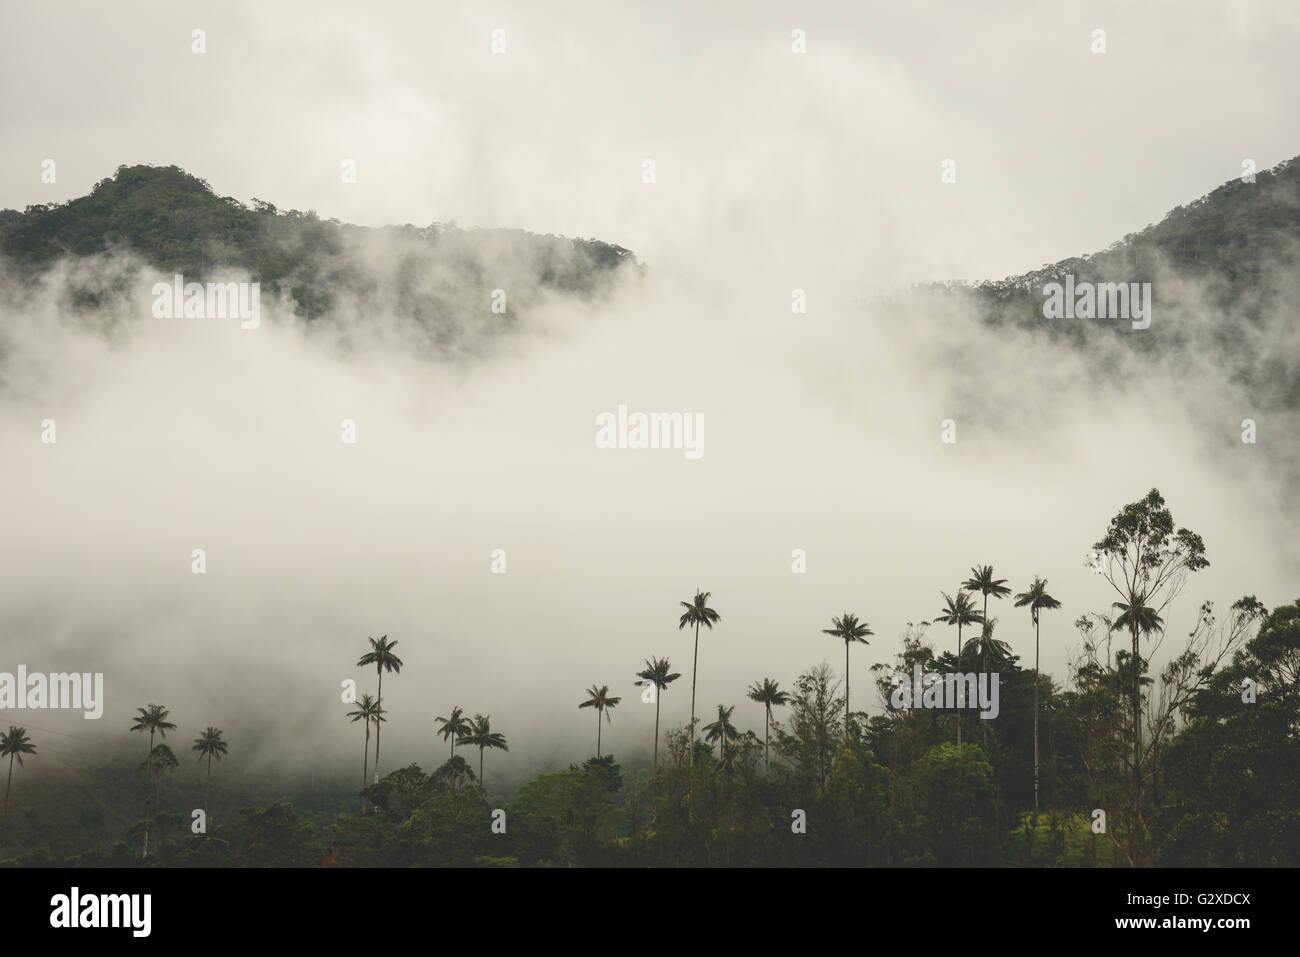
1117, 763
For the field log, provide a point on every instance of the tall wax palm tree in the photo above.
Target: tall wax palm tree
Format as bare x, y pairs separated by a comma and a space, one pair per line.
721, 730
604, 703
14, 743
959, 611
456, 726
381, 656
1140, 620
769, 694
369, 712
154, 720
848, 629
658, 673
482, 736
1038, 600
697, 613
210, 745
981, 580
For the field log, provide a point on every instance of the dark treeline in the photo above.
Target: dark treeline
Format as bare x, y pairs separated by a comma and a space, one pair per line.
1116, 765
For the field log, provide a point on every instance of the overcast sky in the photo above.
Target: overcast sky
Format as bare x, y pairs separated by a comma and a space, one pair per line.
1063, 149
775, 171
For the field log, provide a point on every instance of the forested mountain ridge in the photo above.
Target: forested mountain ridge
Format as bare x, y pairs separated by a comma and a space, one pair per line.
175, 223
1223, 292
1235, 233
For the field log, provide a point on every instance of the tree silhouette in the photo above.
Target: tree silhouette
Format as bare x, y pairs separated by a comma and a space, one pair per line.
154, 720
369, 712
482, 736
1037, 599
848, 629
14, 743
381, 656
456, 726
601, 700
697, 613
959, 611
769, 694
658, 673
210, 745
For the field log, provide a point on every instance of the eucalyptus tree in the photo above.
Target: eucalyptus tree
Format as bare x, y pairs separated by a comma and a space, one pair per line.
959, 611
14, 743
604, 703
769, 694
1145, 559
659, 674
848, 629
154, 720
1037, 599
210, 745
697, 613
453, 727
381, 656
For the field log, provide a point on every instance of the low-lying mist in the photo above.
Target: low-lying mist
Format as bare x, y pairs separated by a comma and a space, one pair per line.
822, 432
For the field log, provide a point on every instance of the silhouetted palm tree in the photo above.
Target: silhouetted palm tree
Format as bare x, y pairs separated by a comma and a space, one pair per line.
959, 611
848, 629
986, 648
457, 726
697, 613
368, 711
209, 745
154, 720
482, 736
604, 703
769, 694
1037, 599
721, 729
657, 672
981, 580
14, 743
381, 656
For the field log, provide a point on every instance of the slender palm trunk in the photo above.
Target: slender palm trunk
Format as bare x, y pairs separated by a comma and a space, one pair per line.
598, 732
8, 784
695, 666
984, 665
480, 767
657, 730
207, 792
1035, 718
1137, 749
148, 799
958, 710
453, 748
380, 705
846, 691
365, 766
767, 731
